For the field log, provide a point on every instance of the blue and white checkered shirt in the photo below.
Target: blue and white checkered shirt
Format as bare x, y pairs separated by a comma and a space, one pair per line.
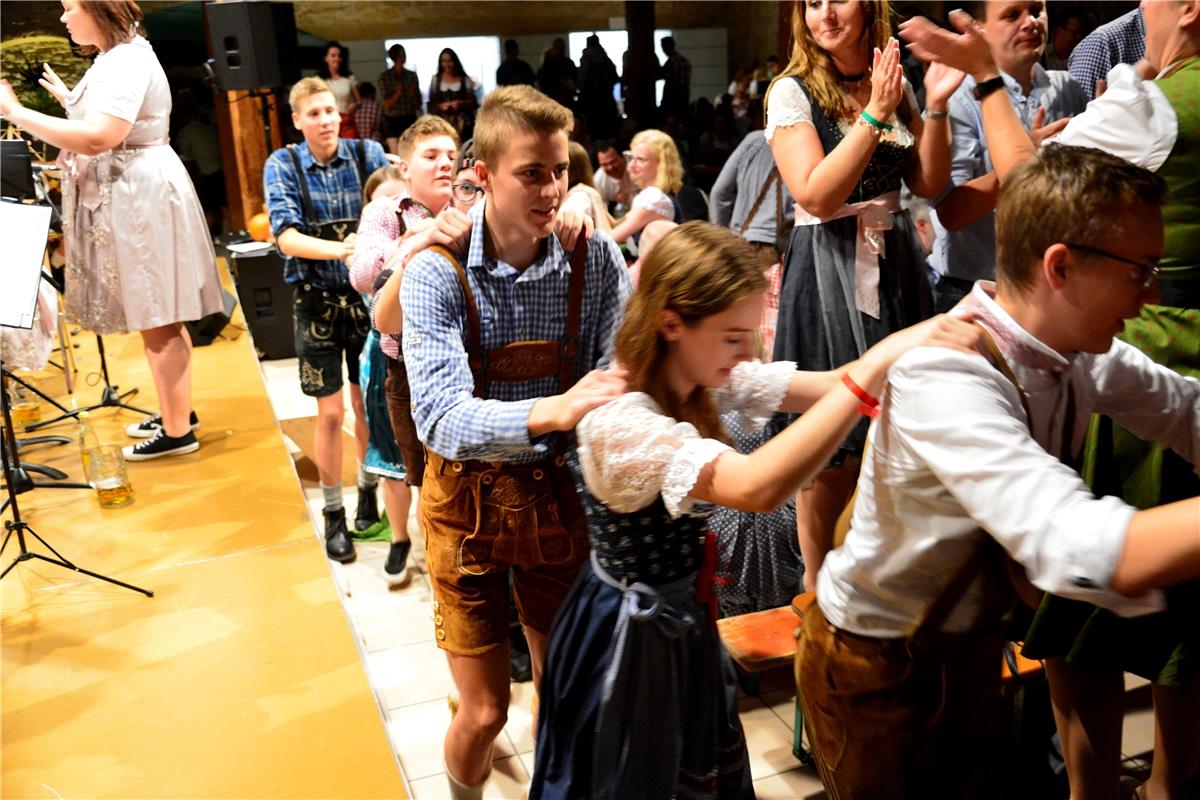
1122, 41
336, 192
513, 306
969, 254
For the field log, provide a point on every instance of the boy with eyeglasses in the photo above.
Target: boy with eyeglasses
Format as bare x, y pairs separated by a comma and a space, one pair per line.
972, 462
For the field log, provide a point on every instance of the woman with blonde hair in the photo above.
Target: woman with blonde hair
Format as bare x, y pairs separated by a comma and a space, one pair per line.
655, 168
845, 131
638, 697
582, 195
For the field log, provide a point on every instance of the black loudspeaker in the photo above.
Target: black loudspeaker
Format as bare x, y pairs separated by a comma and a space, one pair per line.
266, 302
206, 329
253, 43
16, 170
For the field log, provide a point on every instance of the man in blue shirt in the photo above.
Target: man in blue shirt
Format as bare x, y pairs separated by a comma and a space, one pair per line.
493, 347
965, 219
1122, 41
314, 193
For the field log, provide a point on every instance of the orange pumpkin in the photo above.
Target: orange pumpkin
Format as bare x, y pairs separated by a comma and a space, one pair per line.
260, 227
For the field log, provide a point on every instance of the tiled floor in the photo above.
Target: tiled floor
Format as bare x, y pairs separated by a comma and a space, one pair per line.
394, 629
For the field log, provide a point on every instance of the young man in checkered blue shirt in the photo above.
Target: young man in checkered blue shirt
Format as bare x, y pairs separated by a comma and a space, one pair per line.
497, 496
330, 319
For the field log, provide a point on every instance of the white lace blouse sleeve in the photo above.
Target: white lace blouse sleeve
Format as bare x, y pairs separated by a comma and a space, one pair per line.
655, 200
787, 105
755, 391
631, 453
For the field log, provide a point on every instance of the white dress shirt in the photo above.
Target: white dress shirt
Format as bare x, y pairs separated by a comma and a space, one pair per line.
952, 460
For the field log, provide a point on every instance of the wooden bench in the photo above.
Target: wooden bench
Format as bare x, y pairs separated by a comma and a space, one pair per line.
765, 640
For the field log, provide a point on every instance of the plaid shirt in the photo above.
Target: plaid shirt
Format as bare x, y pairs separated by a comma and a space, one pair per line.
337, 193
1121, 41
513, 306
368, 118
409, 102
381, 233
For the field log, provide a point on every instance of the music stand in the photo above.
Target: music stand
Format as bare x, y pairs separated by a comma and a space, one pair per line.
19, 225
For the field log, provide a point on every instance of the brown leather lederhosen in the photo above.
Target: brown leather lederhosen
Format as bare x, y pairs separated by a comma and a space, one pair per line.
483, 518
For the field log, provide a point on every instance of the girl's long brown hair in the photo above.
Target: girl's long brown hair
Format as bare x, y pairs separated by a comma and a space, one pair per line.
813, 65
696, 270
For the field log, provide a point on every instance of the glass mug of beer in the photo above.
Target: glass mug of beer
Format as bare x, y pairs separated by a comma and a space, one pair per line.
106, 472
24, 405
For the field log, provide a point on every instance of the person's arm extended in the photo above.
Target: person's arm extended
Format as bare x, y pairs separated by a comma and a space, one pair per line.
94, 134
1162, 548
969, 202
292, 242
1008, 142
763, 480
955, 332
633, 222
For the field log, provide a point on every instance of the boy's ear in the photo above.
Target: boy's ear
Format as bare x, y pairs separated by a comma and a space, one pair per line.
670, 325
1056, 265
485, 175
404, 169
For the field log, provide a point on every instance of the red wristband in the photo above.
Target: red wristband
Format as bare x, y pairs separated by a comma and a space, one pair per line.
870, 403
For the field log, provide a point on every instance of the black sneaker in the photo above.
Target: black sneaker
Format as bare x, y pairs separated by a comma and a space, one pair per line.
152, 425
395, 569
338, 545
366, 513
161, 446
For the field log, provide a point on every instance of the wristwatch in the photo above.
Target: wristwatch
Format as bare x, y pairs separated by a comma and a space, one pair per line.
982, 90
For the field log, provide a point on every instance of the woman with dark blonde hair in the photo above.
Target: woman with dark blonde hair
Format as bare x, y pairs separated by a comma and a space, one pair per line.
638, 698
655, 168
845, 131
139, 257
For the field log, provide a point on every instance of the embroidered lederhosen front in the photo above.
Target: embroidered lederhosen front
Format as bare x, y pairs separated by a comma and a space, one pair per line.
482, 519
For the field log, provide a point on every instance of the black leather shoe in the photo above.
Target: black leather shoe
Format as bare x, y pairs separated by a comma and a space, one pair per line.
338, 545
366, 513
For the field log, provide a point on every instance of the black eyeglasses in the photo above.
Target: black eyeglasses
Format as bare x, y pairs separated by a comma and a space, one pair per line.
465, 192
1147, 270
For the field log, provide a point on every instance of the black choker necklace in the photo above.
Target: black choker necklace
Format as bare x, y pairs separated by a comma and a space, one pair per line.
853, 78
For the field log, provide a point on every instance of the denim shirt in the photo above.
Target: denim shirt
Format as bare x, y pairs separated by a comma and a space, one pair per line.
970, 253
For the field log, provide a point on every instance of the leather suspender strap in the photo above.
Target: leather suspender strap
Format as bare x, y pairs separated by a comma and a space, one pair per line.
476, 358
940, 609
570, 341
762, 194
306, 203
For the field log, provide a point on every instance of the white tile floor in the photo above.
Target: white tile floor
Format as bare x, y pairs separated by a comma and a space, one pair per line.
410, 678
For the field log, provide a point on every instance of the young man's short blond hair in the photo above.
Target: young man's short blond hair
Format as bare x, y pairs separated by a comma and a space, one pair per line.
425, 127
304, 89
510, 110
1065, 195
